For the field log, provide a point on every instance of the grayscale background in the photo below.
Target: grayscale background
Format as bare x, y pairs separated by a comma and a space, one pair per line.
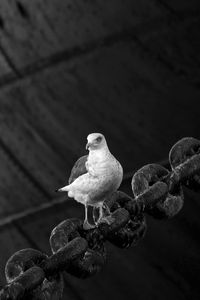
128, 69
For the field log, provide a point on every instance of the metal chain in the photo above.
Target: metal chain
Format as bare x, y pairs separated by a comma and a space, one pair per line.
156, 191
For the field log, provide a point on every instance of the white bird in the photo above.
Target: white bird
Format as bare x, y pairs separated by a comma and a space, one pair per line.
94, 177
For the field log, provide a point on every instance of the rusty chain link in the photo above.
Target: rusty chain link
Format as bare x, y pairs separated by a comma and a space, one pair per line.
82, 253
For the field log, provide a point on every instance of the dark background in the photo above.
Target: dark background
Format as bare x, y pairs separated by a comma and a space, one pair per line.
129, 69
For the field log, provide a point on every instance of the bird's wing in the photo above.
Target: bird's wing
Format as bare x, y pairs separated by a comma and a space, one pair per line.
78, 169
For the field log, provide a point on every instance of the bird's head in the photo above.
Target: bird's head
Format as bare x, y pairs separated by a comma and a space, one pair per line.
95, 141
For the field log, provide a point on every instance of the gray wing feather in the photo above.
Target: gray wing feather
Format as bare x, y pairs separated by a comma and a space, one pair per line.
78, 169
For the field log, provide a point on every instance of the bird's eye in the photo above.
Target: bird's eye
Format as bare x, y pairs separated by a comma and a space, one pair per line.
98, 139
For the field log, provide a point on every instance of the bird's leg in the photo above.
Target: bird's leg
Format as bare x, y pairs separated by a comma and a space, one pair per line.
95, 210
104, 219
106, 208
86, 224
100, 211
99, 206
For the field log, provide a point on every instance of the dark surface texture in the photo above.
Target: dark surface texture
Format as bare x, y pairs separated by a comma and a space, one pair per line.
128, 69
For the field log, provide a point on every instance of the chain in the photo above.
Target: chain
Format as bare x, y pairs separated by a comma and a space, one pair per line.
82, 253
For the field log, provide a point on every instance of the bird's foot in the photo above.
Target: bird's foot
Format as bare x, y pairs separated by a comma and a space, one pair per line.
107, 219
87, 225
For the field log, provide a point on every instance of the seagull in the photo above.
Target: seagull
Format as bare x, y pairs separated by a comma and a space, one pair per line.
94, 177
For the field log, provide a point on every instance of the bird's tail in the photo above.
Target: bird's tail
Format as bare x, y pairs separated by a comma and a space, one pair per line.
63, 189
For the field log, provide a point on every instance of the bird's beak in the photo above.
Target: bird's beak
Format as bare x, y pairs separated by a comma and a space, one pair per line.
87, 146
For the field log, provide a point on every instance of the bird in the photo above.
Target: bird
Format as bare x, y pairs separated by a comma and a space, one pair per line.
94, 178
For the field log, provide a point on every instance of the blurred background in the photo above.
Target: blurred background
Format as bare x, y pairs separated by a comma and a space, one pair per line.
128, 69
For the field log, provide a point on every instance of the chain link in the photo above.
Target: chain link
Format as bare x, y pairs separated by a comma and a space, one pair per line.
82, 253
